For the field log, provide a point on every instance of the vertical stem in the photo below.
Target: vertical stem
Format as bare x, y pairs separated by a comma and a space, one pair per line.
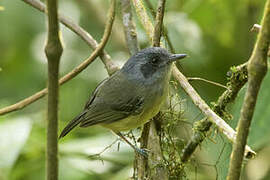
153, 167
158, 23
164, 29
257, 68
157, 169
155, 160
53, 52
129, 27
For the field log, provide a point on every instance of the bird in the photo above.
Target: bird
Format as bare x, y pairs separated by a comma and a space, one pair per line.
131, 96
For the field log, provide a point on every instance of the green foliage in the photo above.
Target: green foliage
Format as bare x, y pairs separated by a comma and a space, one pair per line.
12, 142
259, 132
216, 36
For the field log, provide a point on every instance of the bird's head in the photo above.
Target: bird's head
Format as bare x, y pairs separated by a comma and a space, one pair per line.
154, 61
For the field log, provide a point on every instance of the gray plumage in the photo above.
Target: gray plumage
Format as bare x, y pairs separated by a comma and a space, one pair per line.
131, 96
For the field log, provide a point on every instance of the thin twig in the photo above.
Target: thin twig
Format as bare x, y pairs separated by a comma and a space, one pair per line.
70, 75
105, 149
207, 81
164, 28
158, 23
145, 20
129, 27
106, 59
257, 69
53, 51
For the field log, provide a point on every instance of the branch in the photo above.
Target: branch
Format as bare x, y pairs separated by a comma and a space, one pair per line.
158, 23
151, 167
208, 112
155, 160
142, 14
129, 27
197, 100
156, 168
140, 162
53, 50
73, 73
91, 42
165, 31
207, 81
257, 69
238, 79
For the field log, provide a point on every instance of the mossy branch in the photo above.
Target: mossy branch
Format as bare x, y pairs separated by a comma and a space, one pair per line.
257, 69
205, 109
238, 78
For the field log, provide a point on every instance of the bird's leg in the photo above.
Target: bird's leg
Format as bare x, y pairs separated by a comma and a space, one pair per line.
142, 152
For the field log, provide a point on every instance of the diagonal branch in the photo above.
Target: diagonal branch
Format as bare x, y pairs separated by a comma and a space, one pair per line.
90, 41
208, 112
257, 69
145, 20
73, 73
238, 79
197, 100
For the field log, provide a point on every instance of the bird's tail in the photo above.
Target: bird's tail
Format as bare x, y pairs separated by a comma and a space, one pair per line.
72, 124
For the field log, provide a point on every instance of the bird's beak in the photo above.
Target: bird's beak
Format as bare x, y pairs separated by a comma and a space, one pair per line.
175, 57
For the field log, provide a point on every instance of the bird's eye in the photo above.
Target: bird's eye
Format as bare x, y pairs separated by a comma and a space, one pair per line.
154, 60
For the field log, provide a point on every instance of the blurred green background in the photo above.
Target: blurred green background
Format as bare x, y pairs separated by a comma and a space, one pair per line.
215, 34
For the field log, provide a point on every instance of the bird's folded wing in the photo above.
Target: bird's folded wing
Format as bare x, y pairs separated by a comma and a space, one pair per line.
102, 113
114, 99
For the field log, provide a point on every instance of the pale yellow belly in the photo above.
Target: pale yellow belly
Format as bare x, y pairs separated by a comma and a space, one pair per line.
136, 121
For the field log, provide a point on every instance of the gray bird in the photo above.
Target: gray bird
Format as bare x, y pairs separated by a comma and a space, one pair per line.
131, 96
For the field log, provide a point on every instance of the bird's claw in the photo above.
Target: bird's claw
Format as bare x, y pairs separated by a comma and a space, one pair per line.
142, 152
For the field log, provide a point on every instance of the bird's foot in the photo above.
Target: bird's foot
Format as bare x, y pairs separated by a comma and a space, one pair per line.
142, 152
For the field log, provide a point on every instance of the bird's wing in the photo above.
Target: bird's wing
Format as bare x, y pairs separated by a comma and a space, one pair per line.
113, 100
78, 119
